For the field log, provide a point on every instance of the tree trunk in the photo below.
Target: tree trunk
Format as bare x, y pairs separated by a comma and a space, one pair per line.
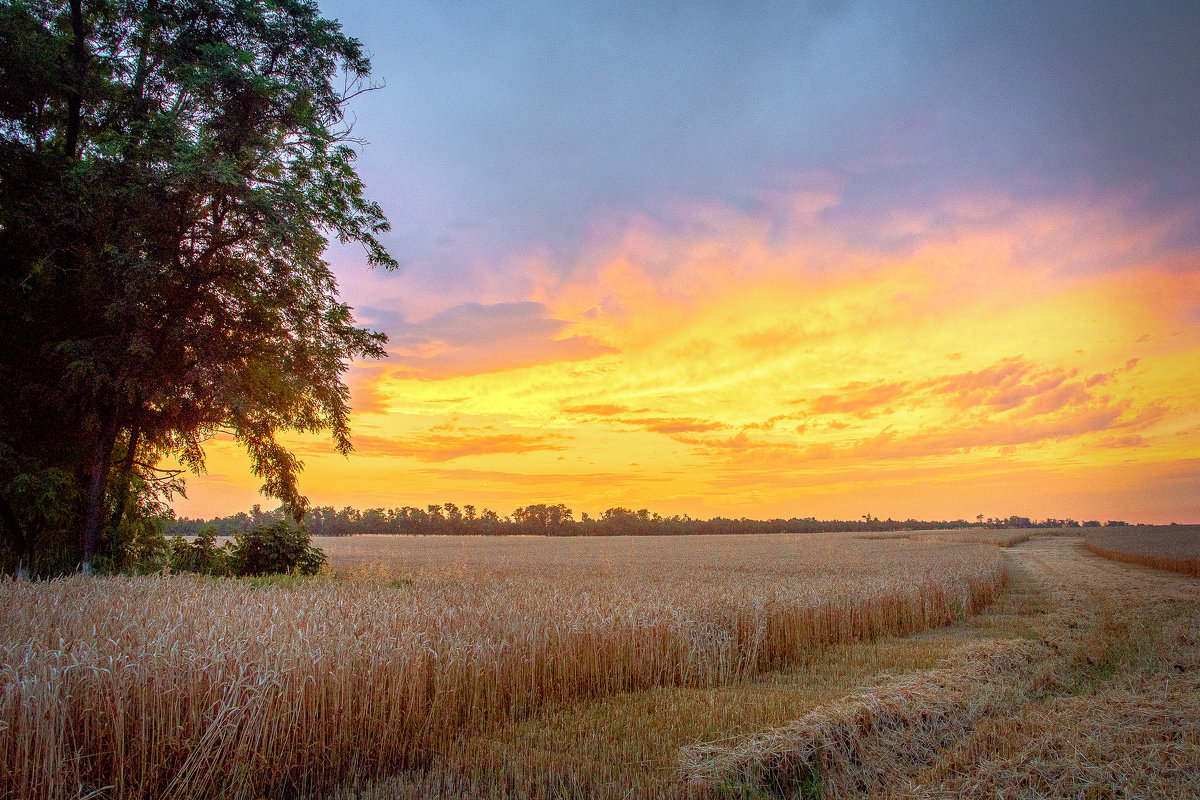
126, 473
16, 535
149, 22
101, 459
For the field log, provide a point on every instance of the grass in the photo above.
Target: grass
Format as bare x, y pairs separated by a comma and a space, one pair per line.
1079, 681
628, 745
447, 658
1111, 712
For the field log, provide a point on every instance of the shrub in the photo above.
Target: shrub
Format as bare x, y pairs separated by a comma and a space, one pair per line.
277, 547
202, 556
134, 545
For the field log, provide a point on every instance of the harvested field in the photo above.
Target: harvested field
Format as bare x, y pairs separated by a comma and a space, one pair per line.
1096, 698
1171, 547
183, 687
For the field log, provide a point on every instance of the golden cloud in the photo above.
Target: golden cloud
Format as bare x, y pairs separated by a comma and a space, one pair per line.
437, 446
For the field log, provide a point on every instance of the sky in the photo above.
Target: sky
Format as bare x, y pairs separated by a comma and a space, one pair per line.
760, 259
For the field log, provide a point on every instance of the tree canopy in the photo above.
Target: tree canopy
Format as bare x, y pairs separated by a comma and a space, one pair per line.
170, 174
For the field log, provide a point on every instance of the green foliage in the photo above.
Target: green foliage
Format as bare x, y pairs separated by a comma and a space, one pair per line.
556, 519
141, 548
202, 556
543, 518
133, 539
169, 176
275, 548
40, 504
279, 580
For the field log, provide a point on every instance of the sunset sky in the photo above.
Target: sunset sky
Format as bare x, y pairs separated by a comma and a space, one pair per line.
765, 259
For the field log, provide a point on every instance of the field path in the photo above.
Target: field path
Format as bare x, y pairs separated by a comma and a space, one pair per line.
1077, 580
1113, 712
1083, 681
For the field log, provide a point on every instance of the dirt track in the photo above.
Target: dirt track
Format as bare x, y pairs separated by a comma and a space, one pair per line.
1077, 580
1112, 710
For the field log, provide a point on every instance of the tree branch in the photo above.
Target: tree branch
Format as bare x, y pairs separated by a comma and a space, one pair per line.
75, 92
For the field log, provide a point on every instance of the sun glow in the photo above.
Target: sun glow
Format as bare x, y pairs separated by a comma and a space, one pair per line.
1032, 361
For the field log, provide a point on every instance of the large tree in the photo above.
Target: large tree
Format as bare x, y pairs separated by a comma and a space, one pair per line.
169, 175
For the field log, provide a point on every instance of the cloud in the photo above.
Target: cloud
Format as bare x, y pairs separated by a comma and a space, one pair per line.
1010, 384
741, 445
667, 425
436, 446
363, 382
474, 338
772, 340
1016, 384
1056, 398
670, 425
998, 385
859, 398
1004, 432
517, 127
986, 433
770, 422
597, 410
1014, 403
537, 479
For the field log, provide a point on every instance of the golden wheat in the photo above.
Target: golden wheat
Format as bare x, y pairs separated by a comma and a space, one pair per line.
1175, 548
184, 687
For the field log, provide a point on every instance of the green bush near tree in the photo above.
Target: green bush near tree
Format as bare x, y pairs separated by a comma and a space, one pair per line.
277, 548
202, 556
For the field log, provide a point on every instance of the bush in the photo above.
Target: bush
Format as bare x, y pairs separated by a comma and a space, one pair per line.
135, 545
273, 548
264, 550
202, 556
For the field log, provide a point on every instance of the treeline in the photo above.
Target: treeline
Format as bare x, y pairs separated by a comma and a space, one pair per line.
544, 519
1049, 522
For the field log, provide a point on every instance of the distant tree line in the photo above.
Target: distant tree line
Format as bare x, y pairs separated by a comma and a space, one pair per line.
556, 519
1049, 522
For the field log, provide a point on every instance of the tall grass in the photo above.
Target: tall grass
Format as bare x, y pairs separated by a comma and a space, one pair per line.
187, 687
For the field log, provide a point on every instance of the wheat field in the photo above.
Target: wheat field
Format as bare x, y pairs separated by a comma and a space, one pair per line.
176, 686
1175, 548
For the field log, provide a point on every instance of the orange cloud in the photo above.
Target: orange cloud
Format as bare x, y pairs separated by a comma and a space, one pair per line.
777, 339
449, 446
859, 398
597, 410
475, 338
534, 480
673, 424
1004, 385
